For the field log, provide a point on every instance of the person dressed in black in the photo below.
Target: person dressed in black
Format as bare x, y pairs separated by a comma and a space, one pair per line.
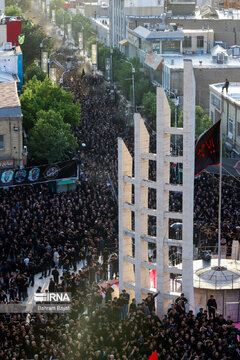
181, 302
225, 86
212, 307
55, 274
108, 292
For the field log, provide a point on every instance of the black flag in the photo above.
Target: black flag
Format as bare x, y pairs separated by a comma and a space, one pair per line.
207, 148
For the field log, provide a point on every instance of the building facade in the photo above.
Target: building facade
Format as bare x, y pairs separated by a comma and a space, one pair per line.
101, 25
11, 62
226, 106
11, 138
117, 23
163, 40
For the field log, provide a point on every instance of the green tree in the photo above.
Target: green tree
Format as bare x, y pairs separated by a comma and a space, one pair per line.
56, 4
31, 47
202, 122
24, 5
149, 106
39, 96
13, 10
33, 70
51, 138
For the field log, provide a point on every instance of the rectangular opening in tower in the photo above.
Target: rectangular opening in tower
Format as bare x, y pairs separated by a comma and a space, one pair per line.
175, 201
176, 143
176, 173
175, 229
152, 198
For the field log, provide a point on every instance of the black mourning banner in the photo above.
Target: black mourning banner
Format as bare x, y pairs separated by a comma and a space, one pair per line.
207, 148
38, 174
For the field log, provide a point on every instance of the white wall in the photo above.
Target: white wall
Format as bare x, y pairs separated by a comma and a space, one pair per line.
3, 33
8, 63
2, 5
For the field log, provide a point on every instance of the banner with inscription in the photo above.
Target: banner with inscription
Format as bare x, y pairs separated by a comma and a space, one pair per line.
38, 174
44, 61
94, 54
108, 69
80, 41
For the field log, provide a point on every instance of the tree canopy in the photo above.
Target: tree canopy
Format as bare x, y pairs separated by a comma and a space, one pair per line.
24, 5
33, 70
13, 10
51, 138
202, 122
33, 37
43, 95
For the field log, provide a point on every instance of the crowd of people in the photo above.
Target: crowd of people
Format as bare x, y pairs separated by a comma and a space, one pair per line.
41, 232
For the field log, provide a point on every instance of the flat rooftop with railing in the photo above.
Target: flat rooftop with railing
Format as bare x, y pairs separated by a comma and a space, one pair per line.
233, 91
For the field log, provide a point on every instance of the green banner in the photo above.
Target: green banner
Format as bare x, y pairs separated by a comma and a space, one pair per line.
21, 39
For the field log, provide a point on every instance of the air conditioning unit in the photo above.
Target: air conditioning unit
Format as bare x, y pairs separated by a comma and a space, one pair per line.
175, 91
7, 46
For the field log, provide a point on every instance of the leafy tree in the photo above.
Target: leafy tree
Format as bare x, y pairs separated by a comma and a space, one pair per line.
56, 4
31, 47
33, 70
51, 138
24, 5
13, 10
202, 122
149, 106
39, 96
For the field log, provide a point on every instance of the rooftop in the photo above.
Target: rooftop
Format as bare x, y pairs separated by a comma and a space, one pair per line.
221, 15
150, 35
15, 51
9, 100
233, 91
199, 61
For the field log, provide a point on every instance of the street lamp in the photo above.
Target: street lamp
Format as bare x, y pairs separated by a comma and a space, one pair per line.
57, 52
41, 48
111, 57
61, 78
133, 82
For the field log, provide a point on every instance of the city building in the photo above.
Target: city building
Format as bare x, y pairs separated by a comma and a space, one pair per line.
120, 10
101, 25
224, 23
226, 106
95, 9
11, 137
168, 40
117, 23
2, 7
181, 7
10, 29
144, 7
207, 68
11, 62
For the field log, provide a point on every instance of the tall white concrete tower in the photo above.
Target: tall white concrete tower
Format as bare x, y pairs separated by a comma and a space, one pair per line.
134, 265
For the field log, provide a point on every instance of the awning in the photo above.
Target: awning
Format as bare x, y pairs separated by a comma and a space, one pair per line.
124, 42
66, 182
154, 61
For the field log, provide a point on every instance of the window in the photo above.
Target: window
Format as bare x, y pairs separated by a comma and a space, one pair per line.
238, 129
212, 116
200, 41
230, 128
187, 42
156, 47
216, 101
170, 47
1, 142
